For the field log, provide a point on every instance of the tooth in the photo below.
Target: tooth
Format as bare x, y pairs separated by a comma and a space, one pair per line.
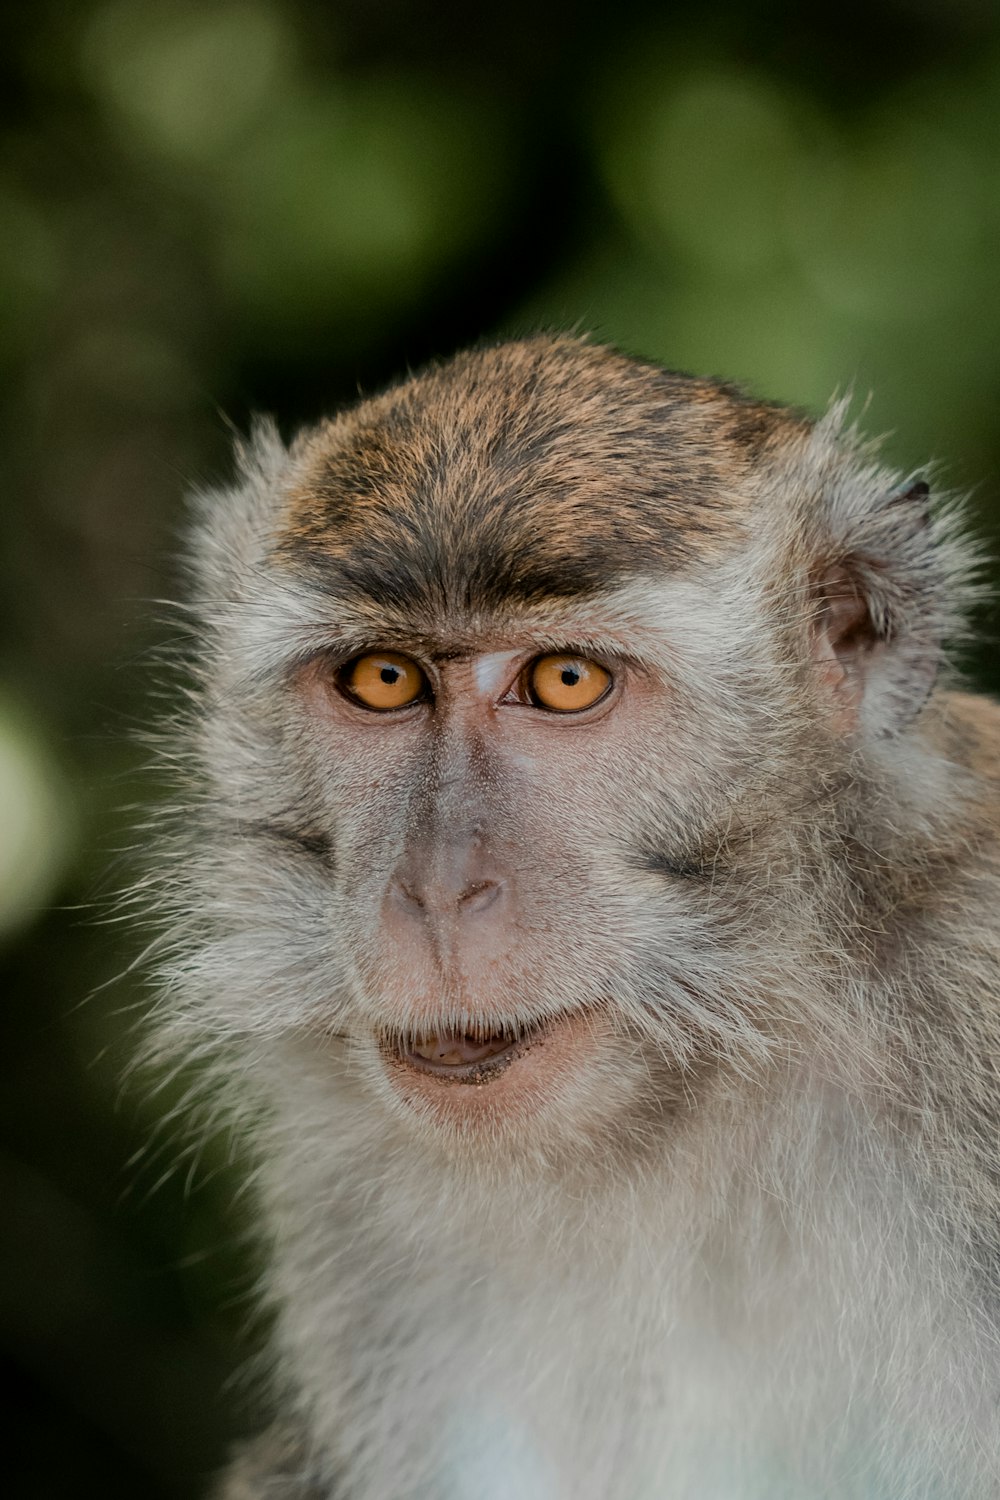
450, 1050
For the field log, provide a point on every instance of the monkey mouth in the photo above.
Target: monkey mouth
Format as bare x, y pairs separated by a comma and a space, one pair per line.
514, 1071
462, 1056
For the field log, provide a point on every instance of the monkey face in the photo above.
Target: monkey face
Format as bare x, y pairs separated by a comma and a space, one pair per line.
479, 882
527, 685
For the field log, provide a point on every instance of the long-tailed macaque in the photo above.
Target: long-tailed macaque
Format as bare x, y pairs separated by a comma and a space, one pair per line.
585, 895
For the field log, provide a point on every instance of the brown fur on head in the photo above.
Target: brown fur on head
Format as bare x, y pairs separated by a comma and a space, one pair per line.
517, 473
623, 977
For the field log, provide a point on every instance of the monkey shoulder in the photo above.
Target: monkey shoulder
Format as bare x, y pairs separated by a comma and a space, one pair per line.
964, 729
968, 731
957, 888
956, 876
272, 1466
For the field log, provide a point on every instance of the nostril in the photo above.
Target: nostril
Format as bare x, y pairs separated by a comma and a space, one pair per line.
480, 897
406, 895
433, 899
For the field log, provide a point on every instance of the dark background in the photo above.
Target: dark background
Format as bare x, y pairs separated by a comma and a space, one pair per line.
208, 209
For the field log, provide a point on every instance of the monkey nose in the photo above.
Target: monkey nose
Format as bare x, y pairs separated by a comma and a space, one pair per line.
433, 899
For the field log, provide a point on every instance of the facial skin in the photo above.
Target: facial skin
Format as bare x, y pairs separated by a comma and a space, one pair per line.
486, 788
583, 897
478, 803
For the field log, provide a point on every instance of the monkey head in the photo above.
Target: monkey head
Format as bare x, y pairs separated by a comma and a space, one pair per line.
530, 693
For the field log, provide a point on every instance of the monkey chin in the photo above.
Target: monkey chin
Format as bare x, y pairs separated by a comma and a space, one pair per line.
513, 1076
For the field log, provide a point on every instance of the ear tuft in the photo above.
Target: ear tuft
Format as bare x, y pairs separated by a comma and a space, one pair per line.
892, 581
917, 493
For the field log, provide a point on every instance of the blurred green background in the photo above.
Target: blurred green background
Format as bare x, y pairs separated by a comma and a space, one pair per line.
209, 209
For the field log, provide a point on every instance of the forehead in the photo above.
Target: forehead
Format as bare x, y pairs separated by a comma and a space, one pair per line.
537, 470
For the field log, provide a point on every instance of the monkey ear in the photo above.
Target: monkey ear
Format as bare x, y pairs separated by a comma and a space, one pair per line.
881, 608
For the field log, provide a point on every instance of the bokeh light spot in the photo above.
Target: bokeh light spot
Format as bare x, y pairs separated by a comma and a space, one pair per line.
889, 228
189, 77
705, 164
351, 199
35, 836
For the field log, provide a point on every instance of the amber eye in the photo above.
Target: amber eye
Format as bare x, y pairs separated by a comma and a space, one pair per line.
383, 680
566, 684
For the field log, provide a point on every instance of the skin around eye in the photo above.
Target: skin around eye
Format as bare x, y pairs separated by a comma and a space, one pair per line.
384, 680
566, 684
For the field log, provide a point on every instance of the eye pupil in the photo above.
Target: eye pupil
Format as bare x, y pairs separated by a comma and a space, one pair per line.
389, 675
570, 677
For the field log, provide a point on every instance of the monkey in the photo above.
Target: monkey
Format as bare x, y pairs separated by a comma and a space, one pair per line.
583, 896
